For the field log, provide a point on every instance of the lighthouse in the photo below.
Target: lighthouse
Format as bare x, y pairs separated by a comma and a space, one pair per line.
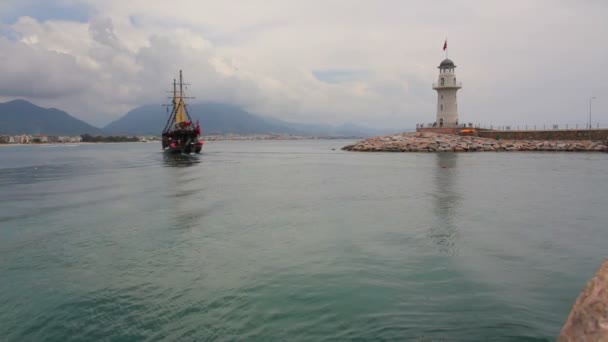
447, 86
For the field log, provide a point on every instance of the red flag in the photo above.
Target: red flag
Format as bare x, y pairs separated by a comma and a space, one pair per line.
445, 45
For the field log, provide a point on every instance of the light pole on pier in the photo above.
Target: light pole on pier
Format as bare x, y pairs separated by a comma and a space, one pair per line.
591, 99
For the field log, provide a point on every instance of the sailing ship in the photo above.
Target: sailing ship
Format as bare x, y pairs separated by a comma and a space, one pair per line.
180, 135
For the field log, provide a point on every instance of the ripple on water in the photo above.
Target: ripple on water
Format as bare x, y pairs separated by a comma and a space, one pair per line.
252, 241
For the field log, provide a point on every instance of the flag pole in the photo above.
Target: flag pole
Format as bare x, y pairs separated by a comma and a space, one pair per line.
446, 47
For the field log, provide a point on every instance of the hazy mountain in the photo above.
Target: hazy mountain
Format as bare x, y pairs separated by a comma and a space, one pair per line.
215, 118
345, 130
218, 118
22, 117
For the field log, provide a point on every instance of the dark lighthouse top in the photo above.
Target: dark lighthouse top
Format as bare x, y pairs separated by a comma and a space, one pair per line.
446, 64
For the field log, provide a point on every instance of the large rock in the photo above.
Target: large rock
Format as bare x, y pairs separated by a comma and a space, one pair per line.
588, 319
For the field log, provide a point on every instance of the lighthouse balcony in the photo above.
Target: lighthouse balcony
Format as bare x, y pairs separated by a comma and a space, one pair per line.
447, 85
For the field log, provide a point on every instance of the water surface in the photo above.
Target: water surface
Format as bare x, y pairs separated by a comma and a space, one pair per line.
294, 241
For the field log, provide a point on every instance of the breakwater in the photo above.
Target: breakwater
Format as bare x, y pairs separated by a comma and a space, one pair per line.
433, 142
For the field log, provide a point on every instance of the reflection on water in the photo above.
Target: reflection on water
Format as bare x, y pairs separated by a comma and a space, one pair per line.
184, 189
180, 160
443, 232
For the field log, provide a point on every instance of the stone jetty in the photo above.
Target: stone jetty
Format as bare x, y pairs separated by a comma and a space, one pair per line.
434, 142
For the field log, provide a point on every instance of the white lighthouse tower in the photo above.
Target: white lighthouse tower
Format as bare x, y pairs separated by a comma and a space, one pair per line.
447, 86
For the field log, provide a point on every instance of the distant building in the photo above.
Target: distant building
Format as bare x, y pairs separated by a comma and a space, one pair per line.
25, 139
6, 139
446, 87
39, 138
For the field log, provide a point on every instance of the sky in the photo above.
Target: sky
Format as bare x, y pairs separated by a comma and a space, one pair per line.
367, 62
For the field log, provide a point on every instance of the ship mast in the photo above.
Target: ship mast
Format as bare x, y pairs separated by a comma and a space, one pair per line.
171, 119
182, 97
174, 94
181, 87
179, 112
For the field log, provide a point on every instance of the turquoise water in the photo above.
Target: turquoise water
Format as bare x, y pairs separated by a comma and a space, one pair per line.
294, 241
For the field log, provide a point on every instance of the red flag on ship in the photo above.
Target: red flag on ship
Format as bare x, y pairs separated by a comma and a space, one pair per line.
445, 45
198, 128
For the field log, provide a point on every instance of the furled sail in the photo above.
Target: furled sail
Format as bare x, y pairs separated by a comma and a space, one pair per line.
180, 110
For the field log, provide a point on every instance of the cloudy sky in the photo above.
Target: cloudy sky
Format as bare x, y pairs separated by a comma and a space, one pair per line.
367, 62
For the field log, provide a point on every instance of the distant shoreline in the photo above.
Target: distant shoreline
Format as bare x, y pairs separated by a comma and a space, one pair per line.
204, 138
256, 138
67, 143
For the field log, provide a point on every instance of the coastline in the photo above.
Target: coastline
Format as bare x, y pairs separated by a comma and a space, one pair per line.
67, 144
434, 142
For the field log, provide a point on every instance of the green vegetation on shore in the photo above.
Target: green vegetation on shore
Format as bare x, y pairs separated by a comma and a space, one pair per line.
106, 139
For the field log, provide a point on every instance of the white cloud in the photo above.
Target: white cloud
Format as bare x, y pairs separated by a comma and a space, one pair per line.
520, 62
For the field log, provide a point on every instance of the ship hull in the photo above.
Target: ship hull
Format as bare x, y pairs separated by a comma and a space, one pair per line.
185, 149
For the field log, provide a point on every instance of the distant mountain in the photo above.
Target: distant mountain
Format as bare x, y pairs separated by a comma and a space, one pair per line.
219, 118
23, 117
215, 118
344, 130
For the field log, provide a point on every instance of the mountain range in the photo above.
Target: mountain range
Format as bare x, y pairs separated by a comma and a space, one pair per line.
214, 118
22, 117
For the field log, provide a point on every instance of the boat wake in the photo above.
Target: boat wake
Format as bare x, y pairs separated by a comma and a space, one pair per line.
180, 160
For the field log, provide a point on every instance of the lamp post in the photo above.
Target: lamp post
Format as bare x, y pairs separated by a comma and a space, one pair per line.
591, 99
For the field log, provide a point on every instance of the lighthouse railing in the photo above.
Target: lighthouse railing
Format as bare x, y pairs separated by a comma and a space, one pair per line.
447, 85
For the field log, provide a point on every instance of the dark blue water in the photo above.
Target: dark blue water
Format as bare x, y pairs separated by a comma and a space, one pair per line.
294, 241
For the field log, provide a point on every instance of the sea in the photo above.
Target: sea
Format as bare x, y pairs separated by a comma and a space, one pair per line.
294, 241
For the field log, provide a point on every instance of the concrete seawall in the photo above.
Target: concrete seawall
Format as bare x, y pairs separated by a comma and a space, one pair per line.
581, 134
562, 134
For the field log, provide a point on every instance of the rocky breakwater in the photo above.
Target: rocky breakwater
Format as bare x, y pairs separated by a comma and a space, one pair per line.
433, 142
